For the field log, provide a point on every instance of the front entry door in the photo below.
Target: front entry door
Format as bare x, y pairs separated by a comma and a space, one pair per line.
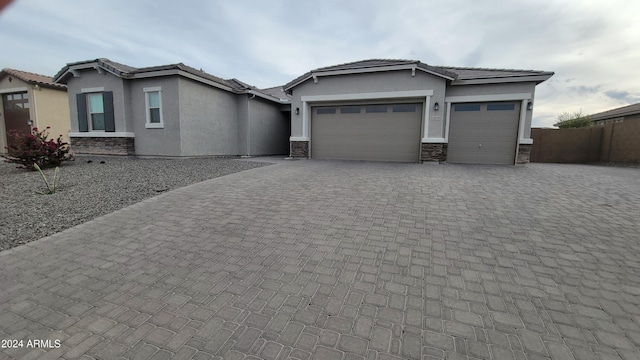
16, 115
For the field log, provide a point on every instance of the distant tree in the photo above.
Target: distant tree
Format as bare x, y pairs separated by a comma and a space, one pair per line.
573, 120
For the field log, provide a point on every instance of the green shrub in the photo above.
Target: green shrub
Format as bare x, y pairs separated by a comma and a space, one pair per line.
34, 148
575, 120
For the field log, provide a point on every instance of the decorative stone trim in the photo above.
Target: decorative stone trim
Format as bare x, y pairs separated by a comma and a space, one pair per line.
524, 153
300, 149
433, 152
103, 145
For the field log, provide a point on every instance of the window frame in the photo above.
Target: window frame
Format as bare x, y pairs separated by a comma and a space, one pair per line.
147, 108
326, 110
501, 106
467, 107
89, 113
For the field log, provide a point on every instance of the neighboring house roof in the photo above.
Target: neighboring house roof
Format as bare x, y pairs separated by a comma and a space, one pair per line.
458, 75
129, 72
32, 78
618, 112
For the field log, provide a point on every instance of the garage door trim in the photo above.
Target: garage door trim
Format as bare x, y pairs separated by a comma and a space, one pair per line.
313, 100
522, 97
368, 134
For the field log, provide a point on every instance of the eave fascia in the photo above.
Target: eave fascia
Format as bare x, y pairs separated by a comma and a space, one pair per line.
178, 72
515, 79
268, 97
412, 67
73, 70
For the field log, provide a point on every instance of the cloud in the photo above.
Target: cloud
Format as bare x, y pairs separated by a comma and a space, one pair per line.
583, 89
623, 96
593, 48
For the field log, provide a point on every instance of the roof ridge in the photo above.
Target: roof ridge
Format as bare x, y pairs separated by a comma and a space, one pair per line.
366, 60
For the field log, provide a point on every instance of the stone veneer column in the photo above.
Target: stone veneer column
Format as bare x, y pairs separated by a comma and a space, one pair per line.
300, 149
433, 152
524, 153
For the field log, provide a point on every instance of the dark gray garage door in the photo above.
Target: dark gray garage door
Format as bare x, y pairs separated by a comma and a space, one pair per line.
387, 132
483, 133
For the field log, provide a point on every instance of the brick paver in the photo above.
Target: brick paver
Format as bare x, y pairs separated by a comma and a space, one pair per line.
343, 260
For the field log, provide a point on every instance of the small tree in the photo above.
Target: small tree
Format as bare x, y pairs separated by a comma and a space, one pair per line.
34, 149
573, 120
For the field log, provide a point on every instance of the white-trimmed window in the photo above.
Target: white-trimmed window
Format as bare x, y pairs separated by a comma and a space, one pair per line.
153, 107
96, 112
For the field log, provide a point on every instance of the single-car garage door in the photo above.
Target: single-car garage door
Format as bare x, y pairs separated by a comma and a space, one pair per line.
386, 132
483, 133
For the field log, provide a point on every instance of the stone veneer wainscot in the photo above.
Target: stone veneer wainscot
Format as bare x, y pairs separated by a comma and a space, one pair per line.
103, 145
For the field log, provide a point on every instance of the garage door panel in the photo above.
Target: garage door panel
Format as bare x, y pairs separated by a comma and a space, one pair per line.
483, 136
377, 136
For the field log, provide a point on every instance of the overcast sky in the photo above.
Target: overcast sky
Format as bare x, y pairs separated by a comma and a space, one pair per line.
592, 46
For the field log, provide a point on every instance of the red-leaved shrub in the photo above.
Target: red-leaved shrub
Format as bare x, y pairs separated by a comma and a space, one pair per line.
34, 148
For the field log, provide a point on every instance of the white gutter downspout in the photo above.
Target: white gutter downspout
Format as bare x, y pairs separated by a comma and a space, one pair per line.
249, 124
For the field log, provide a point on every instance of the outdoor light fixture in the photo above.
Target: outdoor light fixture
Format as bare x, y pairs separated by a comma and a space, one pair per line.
297, 111
436, 106
529, 105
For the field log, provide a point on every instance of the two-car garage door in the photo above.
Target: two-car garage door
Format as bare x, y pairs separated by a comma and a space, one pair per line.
380, 132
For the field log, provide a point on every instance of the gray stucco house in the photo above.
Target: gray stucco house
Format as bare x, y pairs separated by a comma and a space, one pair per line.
405, 110
170, 110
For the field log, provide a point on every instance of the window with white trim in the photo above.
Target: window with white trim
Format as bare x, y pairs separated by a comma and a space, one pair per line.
153, 107
96, 111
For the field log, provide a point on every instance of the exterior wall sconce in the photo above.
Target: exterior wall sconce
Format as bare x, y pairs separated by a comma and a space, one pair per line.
529, 105
436, 106
297, 111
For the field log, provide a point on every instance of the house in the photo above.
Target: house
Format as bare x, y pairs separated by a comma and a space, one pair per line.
408, 111
170, 110
31, 100
629, 112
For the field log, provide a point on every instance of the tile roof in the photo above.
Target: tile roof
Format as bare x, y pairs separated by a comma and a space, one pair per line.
32, 78
618, 112
239, 84
128, 72
366, 64
242, 86
448, 72
277, 92
183, 67
467, 73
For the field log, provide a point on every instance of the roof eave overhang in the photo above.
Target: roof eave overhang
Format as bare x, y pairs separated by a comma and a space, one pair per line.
511, 79
60, 87
267, 97
140, 75
4, 74
71, 70
412, 67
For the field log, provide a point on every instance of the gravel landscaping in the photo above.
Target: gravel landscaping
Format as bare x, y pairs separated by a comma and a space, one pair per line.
88, 189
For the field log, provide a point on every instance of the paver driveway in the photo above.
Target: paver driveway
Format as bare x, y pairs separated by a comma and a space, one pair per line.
344, 260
